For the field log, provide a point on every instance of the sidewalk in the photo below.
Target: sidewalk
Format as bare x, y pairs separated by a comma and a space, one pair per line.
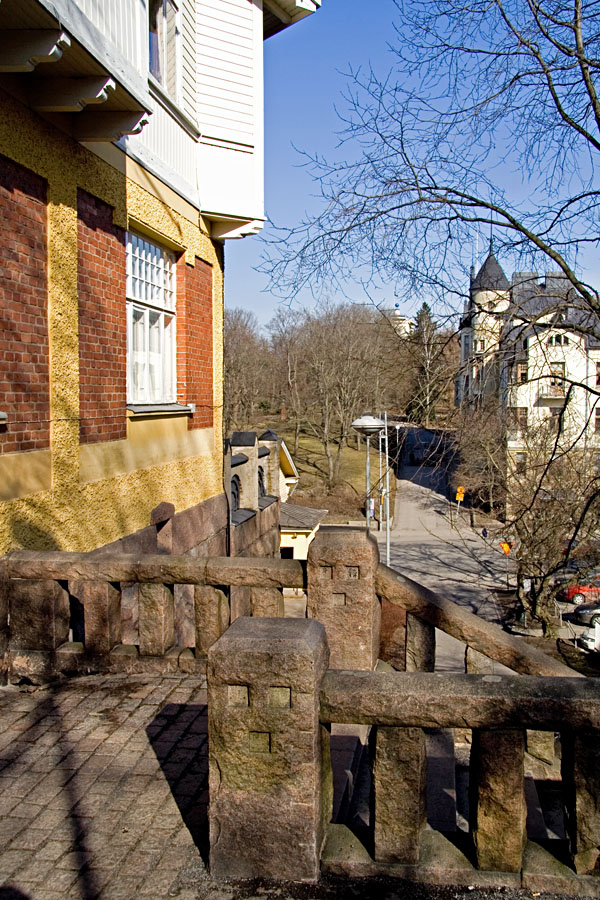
433, 545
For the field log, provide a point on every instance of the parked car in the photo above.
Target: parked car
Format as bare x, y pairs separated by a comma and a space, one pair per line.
587, 640
585, 588
588, 613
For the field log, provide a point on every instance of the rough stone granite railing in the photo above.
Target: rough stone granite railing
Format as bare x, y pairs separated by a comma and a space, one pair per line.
273, 697
63, 612
272, 700
68, 612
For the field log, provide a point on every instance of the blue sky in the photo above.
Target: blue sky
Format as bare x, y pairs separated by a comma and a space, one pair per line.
303, 84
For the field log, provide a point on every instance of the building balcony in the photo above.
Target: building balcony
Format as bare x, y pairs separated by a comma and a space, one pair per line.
548, 391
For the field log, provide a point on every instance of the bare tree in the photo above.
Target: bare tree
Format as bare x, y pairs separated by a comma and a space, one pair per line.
547, 493
433, 361
339, 362
490, 118
246, 364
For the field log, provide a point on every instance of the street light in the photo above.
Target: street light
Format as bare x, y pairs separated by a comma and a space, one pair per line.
368, 426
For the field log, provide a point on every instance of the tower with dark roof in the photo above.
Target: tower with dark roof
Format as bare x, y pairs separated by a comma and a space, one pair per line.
481, 328
490, 277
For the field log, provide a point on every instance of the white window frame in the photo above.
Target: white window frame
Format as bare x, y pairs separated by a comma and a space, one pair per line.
167, 52
151, 291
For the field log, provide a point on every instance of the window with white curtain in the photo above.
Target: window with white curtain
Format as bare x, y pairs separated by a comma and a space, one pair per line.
151, 325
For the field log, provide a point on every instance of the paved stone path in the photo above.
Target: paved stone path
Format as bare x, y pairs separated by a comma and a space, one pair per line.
103, 794
103, 787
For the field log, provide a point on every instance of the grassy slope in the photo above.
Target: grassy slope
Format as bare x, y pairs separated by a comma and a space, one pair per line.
346, 502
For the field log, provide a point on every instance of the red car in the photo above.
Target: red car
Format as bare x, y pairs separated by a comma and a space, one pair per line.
586, 589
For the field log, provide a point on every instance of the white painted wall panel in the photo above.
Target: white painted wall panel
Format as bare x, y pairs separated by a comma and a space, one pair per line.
168, 142
123, 22
226, 70
188, 85
230, 183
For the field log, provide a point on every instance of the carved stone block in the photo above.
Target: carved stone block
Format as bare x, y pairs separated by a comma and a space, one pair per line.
341, 595
269, 780
156, 619
497, 804
399, 784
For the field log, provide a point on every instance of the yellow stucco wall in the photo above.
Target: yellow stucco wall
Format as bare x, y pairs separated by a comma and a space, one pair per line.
299, 541
60, 499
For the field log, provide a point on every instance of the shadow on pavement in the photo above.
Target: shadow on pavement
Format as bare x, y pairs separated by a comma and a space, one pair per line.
179, 737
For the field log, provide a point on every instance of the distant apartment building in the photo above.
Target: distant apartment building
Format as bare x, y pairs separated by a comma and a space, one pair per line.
131, 148
523, 343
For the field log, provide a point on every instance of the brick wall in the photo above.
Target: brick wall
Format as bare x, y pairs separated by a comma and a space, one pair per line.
194, 340
24, 374
102, 322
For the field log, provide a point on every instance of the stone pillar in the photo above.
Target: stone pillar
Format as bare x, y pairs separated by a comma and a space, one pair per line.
477, 663
497, 799
244, 442
267, 603
240, 599
268, 776
101, 615
541, 745
211, 609
156, 619
392, 646
39, 614
341, 595
399, 794
581, 797
420, 645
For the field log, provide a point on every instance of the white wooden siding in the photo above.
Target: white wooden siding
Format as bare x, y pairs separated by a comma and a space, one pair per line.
123, 22
188, 82
226, 70
168, 142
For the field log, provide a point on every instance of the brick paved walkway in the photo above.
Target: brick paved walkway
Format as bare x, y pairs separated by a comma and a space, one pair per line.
103, 788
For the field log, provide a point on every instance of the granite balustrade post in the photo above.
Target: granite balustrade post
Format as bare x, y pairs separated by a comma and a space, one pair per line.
581, 797
399, 794
497, 798
39, 614
420, 645
267, 603
212, 617
101, 602
156, 619
341, 570
269, 777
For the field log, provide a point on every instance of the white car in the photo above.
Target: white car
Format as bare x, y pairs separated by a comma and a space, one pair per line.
587, 639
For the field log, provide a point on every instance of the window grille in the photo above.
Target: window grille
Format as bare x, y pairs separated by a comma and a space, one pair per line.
151, 325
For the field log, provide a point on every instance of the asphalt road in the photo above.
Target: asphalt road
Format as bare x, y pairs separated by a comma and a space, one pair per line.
435, 545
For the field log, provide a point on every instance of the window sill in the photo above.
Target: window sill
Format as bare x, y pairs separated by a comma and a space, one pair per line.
160, 409
242, 515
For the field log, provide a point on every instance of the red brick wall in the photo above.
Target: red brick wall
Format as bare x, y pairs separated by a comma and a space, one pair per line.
102, 323
194, 340
24, 358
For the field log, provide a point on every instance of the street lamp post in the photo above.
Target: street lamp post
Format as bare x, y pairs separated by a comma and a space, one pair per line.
368, 426
387, 490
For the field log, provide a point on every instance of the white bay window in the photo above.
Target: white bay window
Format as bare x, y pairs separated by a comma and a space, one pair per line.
151, 324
